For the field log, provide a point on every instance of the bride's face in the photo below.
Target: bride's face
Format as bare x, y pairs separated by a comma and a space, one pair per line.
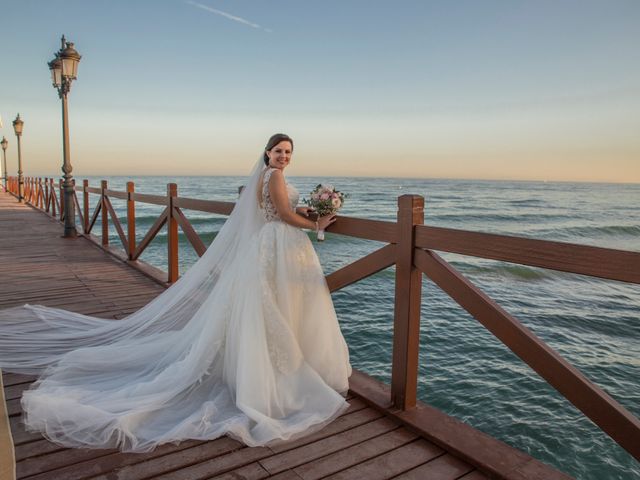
280, 155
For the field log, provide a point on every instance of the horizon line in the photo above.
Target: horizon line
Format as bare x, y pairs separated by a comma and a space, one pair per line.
606, 182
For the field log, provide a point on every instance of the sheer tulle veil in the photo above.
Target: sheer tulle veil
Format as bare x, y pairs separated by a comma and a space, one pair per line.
35, 338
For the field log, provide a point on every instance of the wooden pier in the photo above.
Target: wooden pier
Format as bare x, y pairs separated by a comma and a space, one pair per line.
386, 433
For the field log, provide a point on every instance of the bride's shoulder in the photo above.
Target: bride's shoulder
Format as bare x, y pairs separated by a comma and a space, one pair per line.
274, 173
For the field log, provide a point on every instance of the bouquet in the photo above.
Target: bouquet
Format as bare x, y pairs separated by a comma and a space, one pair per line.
325, 200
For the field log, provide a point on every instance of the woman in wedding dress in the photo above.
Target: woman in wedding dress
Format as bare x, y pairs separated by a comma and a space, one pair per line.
245, 344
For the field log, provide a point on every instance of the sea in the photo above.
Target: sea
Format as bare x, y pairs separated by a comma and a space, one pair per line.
464, 370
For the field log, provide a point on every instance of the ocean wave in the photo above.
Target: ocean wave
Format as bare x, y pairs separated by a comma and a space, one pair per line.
515, 217
519, 272
602, 230
528, 201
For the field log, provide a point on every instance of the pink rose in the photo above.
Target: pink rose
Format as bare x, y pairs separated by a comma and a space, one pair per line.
324, 196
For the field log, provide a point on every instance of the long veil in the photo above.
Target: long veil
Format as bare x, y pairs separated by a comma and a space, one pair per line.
34, 337
222, 351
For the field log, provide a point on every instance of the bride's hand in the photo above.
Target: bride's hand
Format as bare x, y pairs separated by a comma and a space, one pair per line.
305, 210
324, 222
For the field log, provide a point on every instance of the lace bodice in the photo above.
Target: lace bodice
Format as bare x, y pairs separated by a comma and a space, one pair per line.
268, 208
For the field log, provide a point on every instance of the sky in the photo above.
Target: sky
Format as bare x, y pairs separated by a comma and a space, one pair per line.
517, 90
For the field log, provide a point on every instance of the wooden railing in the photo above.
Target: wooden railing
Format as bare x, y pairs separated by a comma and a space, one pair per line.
410, 246
41, 193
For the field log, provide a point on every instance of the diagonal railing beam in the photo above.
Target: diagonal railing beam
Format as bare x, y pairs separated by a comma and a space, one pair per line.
364, 267
603, 410
195, 240
78, 209
116, 222
153, 231
94, 217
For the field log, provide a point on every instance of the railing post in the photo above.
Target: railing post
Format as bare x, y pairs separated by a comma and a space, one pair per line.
46, 195
172, 234
74, 196
40, 193
52, 191
61, 199
105, 213
85, 204
131, 219
406, 323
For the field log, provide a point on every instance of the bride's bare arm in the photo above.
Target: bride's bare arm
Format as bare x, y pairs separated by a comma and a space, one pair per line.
280, 199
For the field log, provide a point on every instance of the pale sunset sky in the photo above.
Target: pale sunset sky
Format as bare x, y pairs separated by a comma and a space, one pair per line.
495, 89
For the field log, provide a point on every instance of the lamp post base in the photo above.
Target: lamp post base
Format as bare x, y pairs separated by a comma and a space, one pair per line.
70, 233
69, 209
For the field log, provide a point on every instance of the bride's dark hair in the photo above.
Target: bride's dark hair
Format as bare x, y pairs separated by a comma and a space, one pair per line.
273, 141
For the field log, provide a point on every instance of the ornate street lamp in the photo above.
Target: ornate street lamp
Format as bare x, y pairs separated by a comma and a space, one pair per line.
17, 127
64, 69
4, 144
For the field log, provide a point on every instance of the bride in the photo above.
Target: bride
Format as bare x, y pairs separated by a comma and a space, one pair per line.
245, 344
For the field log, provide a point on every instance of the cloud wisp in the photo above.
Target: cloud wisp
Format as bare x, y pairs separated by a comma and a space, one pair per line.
227, 15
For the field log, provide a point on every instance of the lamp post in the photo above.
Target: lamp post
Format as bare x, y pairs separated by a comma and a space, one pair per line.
64, 70
4, 144
17, 127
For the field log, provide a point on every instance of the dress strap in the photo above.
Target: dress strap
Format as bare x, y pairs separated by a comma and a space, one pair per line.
264, 191
267, 175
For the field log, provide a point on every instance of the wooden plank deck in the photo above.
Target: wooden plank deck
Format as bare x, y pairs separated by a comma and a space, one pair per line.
367, 441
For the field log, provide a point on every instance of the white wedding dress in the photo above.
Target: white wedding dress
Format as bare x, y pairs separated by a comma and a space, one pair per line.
246, 344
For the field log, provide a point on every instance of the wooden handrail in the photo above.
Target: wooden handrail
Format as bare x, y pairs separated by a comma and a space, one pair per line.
381, 231
116, 194
566, 257
146, 198
209, 206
